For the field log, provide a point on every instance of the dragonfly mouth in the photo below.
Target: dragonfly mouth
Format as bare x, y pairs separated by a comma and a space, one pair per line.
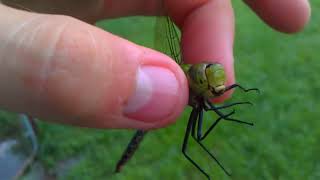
219, 89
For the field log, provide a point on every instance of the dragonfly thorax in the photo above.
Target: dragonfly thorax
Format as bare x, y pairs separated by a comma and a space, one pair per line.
205, 80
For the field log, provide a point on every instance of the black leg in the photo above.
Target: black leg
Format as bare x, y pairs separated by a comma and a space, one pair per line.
226, 118
199, 128
197, 138
191, 122
212, 156
193, 128
214, 125
229, 105
242, 88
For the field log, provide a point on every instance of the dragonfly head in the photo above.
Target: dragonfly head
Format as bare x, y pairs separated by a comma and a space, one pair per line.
216, 78
206, 79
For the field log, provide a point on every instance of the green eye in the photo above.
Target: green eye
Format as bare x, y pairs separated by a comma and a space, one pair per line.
219, 77
215, 75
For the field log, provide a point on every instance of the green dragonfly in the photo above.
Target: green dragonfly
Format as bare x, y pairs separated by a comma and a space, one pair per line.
206, 81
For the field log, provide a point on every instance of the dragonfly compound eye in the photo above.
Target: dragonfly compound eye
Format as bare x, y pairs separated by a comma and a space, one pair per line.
216, 77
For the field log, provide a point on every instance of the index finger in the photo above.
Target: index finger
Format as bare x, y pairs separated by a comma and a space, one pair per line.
207, 32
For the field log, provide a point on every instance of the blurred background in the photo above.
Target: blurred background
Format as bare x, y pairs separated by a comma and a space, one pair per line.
284, 143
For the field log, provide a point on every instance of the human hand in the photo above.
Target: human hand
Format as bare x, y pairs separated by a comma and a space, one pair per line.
64, 70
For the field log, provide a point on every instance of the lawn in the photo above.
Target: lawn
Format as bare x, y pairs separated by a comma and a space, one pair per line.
283, 144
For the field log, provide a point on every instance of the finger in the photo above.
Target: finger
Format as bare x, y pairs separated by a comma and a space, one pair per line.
207, 32
63, 70
286, 15
90, 11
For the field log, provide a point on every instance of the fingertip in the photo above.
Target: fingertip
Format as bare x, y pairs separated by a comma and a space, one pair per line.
208, 33
303, 17
161, 92
288, 16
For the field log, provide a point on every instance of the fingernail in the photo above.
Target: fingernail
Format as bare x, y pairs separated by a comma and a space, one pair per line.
155, 96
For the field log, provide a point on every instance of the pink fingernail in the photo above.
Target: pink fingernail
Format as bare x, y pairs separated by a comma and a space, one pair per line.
155, 96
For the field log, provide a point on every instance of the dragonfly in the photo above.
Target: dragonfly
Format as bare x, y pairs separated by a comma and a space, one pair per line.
206, 81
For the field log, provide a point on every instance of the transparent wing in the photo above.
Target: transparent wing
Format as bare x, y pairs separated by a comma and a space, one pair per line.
167, 38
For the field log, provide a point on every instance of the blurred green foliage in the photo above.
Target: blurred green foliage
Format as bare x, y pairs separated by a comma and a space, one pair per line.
9, 125
283, 144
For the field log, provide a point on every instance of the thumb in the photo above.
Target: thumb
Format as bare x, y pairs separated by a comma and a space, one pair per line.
63, 70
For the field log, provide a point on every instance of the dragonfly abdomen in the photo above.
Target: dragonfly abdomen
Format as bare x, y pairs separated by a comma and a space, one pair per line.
131, 149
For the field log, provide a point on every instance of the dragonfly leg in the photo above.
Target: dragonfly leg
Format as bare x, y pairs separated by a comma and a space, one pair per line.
193, 129
242, 88
198, 138
198, 134
230, 105
214, 125
199, 129
227, 118
212, 156
191, 122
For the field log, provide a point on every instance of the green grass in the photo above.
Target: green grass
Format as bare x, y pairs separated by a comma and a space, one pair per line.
283, 144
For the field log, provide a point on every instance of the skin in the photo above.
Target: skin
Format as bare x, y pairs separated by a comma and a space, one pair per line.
65, 70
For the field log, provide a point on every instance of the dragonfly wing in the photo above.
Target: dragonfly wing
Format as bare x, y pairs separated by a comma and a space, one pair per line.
167, 38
